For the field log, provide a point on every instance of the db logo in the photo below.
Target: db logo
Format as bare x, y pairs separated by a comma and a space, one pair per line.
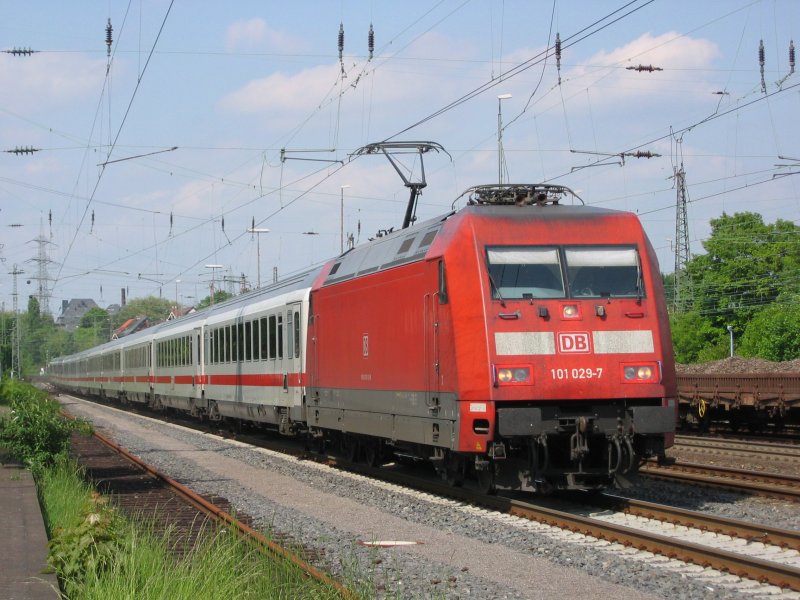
573, 342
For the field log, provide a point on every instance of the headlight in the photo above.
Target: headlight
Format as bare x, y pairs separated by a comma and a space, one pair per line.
513, 375
642, 373
570, 311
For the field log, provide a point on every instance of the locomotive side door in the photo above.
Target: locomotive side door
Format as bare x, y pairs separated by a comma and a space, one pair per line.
431, 353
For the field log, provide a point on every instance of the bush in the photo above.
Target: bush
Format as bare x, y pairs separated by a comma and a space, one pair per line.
34, 431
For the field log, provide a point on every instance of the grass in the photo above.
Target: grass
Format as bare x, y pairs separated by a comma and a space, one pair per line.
100, 554
130, 561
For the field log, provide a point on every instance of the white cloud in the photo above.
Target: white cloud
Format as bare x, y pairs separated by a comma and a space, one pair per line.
671, 50
48, 80
681, 58
278, 91
256, 34
390, 84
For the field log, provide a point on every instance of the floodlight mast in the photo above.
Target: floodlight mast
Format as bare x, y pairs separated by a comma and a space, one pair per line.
405, 148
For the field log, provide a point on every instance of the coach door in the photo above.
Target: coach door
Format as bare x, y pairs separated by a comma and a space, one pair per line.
198, 352
292, 363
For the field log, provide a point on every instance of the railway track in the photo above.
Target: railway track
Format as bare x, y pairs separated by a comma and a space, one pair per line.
783, 487
688, 536
747, 550
140, 489
740, 447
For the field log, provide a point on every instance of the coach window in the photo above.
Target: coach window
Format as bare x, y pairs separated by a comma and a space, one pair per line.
248, 337
228, 344
280, 336
240, 342
273, 343
264, 339
296, 334
524, 272
256, 340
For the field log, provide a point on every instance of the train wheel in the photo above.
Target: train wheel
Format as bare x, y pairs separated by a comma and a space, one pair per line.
485, 479
373, 454
351, 448
454, 470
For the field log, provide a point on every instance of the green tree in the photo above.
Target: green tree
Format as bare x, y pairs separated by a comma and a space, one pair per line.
93, 329
155, 309
774, 333
35, 328
746, 265
6, 333
219, 296
695, 338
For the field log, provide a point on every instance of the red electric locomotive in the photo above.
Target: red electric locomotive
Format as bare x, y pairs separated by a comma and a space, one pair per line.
519, 340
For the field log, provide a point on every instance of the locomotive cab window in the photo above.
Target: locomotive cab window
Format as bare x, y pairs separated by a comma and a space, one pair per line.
604, 272
525, 272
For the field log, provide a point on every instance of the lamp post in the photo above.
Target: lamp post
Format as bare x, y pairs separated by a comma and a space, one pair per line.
500, 99
177, 281
341, 216
213, 279
730, 331
258, 233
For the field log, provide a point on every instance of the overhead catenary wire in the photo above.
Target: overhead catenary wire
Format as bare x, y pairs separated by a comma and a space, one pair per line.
119, 132
235, 209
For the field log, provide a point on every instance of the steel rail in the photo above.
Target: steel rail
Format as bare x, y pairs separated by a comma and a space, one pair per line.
220, 515
744, 566
738, 564
772, 450
783, 487
706, 556
753, 532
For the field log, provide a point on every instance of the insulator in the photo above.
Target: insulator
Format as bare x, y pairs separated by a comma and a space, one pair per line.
558, 57
761, 53
791, 56
341, 40
371, 41
109, 37
23, 150
223, 223
20, 51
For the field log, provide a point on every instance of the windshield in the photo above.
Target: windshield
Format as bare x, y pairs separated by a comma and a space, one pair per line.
525, 272
603, 272
531, 272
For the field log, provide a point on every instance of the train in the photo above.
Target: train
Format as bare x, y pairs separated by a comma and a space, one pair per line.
520, 342
765, 402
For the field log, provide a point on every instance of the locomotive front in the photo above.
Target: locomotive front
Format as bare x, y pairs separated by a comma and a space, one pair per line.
580, 384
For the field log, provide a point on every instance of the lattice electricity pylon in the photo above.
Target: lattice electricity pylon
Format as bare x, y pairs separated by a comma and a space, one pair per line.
682, 288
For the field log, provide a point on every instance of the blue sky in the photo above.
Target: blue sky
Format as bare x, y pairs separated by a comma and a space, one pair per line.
231, 84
